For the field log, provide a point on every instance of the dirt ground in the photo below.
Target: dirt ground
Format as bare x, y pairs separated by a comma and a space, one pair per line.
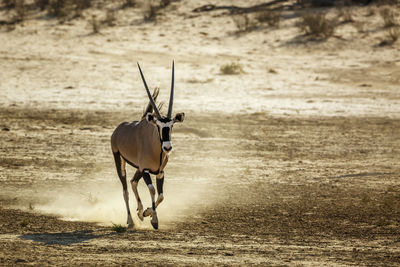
294, 162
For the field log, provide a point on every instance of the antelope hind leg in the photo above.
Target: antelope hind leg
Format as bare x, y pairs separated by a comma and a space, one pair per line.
120, 165
134, 183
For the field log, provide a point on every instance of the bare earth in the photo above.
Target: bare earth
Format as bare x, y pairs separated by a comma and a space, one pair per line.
293, 163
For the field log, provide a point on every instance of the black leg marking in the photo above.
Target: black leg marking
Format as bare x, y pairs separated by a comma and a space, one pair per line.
160, 184
147, 178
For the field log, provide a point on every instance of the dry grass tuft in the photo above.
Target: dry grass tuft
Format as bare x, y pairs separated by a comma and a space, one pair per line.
165, 3
272, 18
82, 4
371, 11
346, 15
95, 24
389, 17
118, 228
232, 69
244, 23
60, 9
360, 26
150, 11
110, 19
41, 4
316, 25
20, 8
63, 9
129, 3
392, 35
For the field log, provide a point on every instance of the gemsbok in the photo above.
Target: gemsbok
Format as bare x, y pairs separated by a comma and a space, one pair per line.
145, 145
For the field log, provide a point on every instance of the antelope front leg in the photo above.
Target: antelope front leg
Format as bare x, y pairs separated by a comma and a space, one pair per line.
160, 184
134, 183
151, 211
160, 180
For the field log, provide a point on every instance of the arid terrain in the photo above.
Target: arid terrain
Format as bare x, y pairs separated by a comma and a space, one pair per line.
291, 161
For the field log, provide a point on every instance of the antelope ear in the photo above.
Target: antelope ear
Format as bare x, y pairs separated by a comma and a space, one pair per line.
150, 117
179, 117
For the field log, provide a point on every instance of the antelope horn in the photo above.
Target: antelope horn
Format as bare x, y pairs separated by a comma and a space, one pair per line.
171, 96
148, 93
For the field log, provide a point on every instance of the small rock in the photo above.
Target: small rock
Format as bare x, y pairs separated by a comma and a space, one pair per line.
6, 129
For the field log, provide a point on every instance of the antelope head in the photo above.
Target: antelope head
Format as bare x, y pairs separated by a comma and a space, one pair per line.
163, 123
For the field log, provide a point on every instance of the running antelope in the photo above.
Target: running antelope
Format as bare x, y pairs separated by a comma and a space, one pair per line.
145, 145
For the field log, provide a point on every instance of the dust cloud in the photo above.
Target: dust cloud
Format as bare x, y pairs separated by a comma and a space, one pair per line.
103, 203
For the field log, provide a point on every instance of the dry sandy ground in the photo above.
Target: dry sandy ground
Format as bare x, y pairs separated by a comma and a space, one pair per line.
294, 162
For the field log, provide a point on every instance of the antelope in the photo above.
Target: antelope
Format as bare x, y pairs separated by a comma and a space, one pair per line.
145, 145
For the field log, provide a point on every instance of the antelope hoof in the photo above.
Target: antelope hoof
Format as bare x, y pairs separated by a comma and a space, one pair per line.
154, 221
155, 225
148, 212
130, 222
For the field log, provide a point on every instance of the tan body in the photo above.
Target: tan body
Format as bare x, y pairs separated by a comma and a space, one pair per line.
139, 144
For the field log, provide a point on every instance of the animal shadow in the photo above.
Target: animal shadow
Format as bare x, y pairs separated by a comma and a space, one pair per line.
64, 238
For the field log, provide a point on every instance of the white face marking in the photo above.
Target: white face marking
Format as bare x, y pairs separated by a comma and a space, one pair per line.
164, 124
166, 145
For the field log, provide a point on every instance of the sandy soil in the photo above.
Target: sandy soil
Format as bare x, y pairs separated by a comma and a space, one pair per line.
294, 162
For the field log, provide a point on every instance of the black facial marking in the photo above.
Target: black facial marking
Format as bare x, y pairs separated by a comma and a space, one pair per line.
166, 134
164, 120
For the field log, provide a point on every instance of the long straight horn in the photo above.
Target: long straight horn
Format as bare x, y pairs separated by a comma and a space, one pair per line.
171, 96
148, 93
